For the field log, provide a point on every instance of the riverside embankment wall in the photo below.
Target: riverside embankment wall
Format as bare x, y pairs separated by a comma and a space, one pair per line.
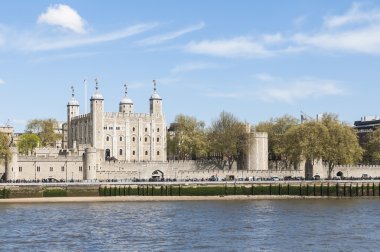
268, 188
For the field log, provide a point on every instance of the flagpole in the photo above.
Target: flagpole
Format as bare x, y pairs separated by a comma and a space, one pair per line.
85, 96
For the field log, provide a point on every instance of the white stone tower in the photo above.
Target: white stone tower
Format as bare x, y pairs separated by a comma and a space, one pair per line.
257, 158
97, 108
11, 168
126, 104
72, 111
90, 164
155, 103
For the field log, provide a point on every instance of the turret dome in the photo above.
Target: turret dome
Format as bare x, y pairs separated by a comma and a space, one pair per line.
97, 96
155, 95
73, 102
126, 100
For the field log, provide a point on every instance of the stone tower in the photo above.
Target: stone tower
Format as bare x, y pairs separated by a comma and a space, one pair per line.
155, 103
90, 164
97, 109
11, 167
257, 158
72, 111
126, 104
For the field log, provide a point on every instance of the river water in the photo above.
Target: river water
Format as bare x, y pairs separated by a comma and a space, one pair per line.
261, 225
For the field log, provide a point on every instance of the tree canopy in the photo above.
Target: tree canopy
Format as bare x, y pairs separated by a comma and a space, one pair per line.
229, 137
27, 143
189, 138
372, 147
342, 145
5, 152
45, 130
276, 129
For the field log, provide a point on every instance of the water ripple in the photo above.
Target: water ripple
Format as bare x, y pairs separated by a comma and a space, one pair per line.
264, 225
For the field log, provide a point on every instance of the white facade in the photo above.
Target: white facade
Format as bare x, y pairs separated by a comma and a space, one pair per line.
122, 135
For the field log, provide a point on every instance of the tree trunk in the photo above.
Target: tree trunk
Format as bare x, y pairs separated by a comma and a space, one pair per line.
331, 168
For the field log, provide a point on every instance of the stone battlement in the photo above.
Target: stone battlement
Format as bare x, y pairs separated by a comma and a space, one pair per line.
125, 115
81, 116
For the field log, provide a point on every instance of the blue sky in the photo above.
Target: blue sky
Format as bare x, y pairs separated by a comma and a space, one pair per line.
256, 59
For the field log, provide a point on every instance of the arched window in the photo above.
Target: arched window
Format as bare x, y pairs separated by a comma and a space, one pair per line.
121, 152
133, 139
107, 138
158, 153
133, 152
146, 139
121, 138
158, 129
133, 129
146, 129
146, 152
158, 139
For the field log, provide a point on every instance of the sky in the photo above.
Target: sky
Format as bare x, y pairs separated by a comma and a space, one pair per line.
255, 59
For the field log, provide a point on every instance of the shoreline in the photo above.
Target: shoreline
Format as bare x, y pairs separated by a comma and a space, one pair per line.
163, 198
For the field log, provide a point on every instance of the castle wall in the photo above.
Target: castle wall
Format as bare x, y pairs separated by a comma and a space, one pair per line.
38, 168
356, 171
182, 170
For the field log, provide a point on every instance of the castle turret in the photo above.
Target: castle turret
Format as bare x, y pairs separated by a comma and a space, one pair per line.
97, 109
72, 111
126, 104
257, 158
155, 102
12, 168
90, 161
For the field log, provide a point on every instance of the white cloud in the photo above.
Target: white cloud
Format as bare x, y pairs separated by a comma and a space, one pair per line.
272, 38
300, 89
231, 48
63, 16
264, 77
66, 56
365, 40
19, 121
192, 66
276, 89
1, 82
38, 44
355, 15
172, 35
355, 31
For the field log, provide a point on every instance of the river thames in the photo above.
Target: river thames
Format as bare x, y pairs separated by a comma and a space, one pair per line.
255, 225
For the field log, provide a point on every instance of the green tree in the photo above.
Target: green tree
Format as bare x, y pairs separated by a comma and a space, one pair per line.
189, 138
307, 141
27, 143
372, 147
276, 129
45, 129
229, 137
5, 152
342, 145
